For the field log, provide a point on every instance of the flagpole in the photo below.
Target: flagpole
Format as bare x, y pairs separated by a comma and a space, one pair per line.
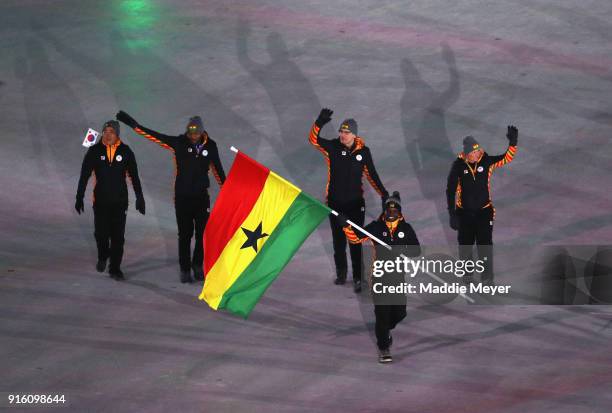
387, 246
351, 223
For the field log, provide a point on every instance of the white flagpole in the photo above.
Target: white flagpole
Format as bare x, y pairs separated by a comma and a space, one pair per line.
387, 246
351, 223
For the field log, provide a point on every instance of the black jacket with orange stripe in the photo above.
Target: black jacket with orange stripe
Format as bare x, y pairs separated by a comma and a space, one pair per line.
469, 185
402, 234
404, 241
192, 163
346, 168
110, 185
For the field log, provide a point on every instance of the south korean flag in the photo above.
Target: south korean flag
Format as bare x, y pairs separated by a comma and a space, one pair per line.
90, 138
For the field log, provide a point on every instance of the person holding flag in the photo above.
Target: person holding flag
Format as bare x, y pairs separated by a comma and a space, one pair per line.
468, 194
195, 154
393, 230
111, 160
348, 161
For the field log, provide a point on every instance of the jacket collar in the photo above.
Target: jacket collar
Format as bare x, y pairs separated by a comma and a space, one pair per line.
202, 140
358, 144
462, 156
113, 145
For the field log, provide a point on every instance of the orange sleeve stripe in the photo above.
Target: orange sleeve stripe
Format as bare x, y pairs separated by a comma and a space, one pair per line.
371, 181
312, 138
328, 176
151, 138
216, 174
508, 157
458, 195
352, 237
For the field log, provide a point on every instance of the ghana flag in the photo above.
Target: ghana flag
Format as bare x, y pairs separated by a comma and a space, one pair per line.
258, 222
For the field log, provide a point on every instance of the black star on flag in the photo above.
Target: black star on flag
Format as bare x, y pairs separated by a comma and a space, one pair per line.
253, 237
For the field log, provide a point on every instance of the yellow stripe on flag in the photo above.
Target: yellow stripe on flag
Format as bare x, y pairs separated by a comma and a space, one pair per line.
272, 204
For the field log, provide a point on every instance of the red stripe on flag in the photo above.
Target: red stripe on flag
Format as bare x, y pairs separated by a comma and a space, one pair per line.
239, 194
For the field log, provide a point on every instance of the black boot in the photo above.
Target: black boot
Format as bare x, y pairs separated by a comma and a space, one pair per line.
101, 265
185, 277
357, 277
340, 276
116, 274
198, 273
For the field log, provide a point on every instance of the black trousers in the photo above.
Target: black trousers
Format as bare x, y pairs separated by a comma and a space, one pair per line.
109, 231
387, 317
191, 217
476, 227
356, 213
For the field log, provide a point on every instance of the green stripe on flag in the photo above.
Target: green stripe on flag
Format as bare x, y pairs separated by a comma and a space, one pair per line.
302, 217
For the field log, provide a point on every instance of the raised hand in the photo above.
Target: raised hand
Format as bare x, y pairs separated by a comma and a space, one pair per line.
512, 135
127, 119
324, 117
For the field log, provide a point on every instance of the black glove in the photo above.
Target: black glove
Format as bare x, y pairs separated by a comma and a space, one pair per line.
512, 135
324, 117
454, 220
342, 220
79, 205
127, 119
140, 205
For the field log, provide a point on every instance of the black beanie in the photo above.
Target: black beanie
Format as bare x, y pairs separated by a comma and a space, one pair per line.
111, 124
195, 125
394, 201
470, 144
349, 125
